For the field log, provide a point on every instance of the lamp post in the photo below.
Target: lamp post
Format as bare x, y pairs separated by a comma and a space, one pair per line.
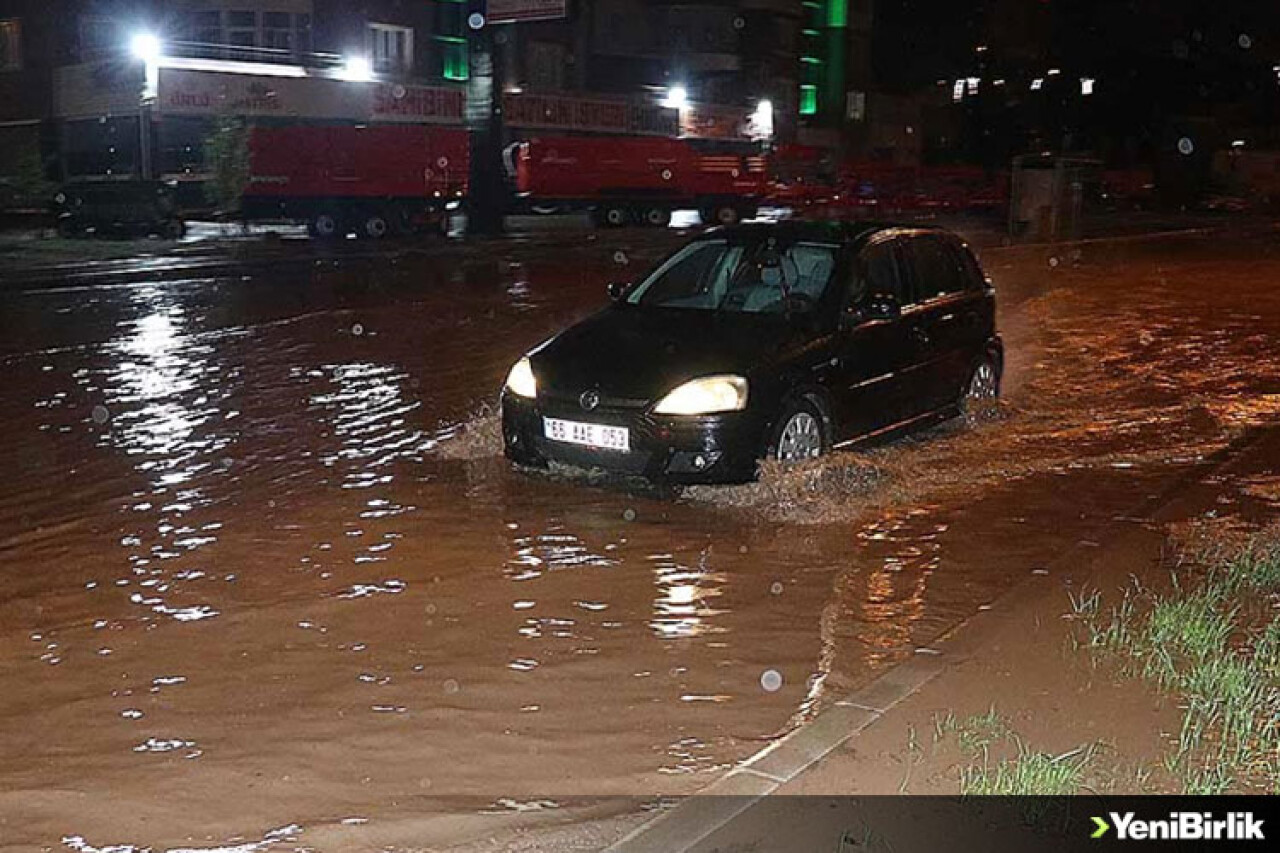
147, 49
486, 189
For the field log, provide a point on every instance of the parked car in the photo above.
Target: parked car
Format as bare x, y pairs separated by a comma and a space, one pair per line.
118, 208
763, 340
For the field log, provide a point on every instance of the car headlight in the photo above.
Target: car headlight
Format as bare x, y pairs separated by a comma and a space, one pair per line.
520, 380
705, 396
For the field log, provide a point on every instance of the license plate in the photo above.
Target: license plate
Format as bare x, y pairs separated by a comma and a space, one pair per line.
588, 435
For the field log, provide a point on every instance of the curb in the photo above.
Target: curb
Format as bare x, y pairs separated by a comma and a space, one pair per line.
706, 811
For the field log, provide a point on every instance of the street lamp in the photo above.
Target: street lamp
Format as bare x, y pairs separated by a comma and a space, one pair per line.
677, 97
145, 46
357, 70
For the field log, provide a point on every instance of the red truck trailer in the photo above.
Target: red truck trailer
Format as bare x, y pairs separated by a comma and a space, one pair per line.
372, 179
625, 179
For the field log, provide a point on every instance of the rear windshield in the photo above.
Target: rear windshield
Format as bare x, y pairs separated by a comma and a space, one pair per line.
711, 275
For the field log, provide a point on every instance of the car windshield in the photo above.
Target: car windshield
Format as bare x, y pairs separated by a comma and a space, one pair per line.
721, 275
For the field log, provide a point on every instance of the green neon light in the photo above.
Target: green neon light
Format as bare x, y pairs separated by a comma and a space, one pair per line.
810, 32
451, 39
455, 64
812, 60
838, 13
808, 100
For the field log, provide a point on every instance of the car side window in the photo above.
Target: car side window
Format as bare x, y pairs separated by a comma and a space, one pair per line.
878, 274
974, 277
935, 271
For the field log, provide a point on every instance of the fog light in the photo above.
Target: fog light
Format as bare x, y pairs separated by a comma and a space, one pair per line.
692, 462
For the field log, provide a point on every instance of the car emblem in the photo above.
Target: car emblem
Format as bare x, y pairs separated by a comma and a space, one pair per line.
589, 399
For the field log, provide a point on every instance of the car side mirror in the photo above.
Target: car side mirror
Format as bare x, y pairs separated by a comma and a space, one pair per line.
882, 306
617, 290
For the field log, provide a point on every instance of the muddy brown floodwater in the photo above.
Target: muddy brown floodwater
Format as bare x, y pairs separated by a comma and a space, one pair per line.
265, 582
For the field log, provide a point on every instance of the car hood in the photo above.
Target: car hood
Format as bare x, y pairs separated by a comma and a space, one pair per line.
640, 354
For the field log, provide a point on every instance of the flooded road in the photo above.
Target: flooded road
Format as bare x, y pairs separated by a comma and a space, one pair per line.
265, 581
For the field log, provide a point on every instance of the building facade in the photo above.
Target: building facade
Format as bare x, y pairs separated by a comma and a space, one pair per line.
114, 88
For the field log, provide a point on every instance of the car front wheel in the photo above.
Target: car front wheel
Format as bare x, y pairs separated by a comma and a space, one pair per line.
799, 434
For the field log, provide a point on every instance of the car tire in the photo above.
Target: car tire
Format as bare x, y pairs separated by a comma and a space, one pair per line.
980, 390
799, 434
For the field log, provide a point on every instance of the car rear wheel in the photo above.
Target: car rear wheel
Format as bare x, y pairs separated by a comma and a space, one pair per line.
800, 435
981, 391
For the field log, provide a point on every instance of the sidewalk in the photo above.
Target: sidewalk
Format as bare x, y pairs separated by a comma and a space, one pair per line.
1015, 657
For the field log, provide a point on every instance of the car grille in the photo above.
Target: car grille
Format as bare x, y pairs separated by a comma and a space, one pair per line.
573, 400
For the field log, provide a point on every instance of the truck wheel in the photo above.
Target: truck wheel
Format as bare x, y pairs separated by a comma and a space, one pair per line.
658, 217
376, 226
727, 214
615, 216
325, 226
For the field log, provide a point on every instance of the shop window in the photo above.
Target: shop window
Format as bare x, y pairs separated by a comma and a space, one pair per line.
10, 45
390, 47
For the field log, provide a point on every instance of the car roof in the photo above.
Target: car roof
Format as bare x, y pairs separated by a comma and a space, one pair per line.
848, 231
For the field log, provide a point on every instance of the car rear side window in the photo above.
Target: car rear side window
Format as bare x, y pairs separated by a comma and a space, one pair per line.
879, 273
935, 270
975, 278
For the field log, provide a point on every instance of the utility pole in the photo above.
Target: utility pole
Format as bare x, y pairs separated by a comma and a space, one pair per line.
486, 191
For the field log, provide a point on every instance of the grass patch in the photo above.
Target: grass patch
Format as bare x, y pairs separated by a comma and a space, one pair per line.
1029, 774
1000, 764
1213, 641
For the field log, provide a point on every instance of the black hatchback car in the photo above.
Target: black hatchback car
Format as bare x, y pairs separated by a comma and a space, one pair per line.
779, 340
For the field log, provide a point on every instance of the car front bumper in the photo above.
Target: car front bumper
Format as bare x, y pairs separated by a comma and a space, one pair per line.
721, 448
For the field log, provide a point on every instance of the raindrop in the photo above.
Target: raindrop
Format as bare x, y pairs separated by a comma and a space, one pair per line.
131, 714
1245, 41
776, 588
357, 330
1053, 262
771, 680
629, 514
620, 258
100, 414
1186, 146
451, 687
